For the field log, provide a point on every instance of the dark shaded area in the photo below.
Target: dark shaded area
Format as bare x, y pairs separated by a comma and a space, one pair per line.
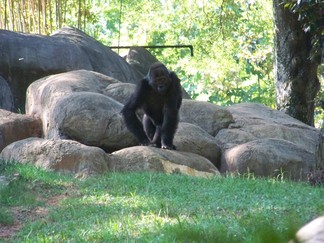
159, 95
6, 99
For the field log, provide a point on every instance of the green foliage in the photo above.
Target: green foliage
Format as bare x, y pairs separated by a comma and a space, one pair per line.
232, 40
6, 217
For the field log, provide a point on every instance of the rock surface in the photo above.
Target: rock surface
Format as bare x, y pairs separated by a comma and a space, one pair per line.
119, 91
71, 105
267, 142
72, 157
192, 138
143, 158
44, 93
14, 127
255, 121
6, 99
90, 118
209, 117
59, 155
140, 60
84, 105
313, 232
28, 57
269, 157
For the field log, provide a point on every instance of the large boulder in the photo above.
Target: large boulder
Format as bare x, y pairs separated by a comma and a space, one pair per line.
102, 58
192, 138
90, 118
6, 99
313, 232
269, 158
45, 92
212, 118
14, 127
28, 57
143, 158
71, 105
59, 155
267, 142
256, 121
119, 91
72, 157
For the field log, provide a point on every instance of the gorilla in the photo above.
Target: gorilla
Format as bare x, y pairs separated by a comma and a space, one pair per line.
159, 95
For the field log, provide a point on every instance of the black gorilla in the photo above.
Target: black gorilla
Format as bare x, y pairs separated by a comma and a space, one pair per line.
159, 95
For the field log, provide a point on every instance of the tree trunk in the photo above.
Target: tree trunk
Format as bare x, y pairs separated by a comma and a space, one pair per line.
297, 83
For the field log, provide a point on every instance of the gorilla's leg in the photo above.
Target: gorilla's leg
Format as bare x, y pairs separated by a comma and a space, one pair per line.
157, 137
149, 127
153, 132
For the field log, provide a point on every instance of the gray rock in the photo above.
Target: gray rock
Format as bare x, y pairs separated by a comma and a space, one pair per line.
28, 57
59, 155
71, 105
209, 117
6, 99
90, 118
119, 91
14, 127
313, 232
256, 121
192, 138
143, 158
45, 92
269, 158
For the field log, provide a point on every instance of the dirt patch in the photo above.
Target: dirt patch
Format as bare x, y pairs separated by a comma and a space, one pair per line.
23, 215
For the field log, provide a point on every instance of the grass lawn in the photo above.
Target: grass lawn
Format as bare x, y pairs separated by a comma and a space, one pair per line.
40, 206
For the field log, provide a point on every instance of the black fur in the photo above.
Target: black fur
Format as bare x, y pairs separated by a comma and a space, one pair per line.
159, 95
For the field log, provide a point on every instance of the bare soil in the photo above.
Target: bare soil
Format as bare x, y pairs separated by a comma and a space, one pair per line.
23, 216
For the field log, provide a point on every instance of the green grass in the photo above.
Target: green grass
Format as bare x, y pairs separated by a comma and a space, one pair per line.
6, 218
153, 207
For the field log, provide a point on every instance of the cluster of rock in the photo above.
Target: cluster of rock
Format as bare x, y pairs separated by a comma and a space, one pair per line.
73, 89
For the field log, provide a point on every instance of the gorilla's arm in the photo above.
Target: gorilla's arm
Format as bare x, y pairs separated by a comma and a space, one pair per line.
177, 89
133, 124
171, 115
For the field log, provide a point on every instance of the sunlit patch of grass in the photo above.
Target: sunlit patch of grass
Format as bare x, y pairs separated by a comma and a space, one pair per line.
27, 184
24, 189
154, 207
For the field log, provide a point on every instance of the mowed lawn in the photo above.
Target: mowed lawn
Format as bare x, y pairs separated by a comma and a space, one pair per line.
152, 207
